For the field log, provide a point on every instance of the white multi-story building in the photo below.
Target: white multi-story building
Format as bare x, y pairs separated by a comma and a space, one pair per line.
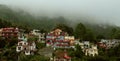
35, 32
41, 36
27, 47
91, 51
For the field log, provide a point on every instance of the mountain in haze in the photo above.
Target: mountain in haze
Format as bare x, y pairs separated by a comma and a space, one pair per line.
23, 19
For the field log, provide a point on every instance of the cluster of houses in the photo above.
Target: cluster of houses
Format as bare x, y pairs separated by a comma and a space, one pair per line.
29, 47
89, 49
55, 39
108, 43
23, 45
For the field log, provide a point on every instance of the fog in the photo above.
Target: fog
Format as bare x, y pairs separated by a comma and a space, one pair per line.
96, 11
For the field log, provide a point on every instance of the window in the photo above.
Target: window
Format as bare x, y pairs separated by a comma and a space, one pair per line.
19, 48
20, 44
24, 43
41, 39
27, 51
24, 48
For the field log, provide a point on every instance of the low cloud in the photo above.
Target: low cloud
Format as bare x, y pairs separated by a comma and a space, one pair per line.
96, 11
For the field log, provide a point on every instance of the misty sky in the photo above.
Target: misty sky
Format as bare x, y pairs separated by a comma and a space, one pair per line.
105, 11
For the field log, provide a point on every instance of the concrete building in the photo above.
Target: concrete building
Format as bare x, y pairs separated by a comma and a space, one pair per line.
27, 47
41, 36
59, 39
35, 32
9, 32
91, 51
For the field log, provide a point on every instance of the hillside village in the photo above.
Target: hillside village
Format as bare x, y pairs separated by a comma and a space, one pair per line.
59, 30
57, 43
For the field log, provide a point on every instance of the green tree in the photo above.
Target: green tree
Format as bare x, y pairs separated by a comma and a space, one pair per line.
2, 42
4, 23
113, 33
89, 36
80, 31
78, 52
100, 37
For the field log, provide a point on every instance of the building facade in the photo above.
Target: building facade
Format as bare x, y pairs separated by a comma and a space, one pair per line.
91, 51
41, 36
59, 39
9, 32
27, 47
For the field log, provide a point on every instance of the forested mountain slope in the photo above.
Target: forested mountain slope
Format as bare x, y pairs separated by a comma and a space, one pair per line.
24, 20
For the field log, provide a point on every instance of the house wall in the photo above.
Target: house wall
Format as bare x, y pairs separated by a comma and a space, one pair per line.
59, 39
26, 47
8, 32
